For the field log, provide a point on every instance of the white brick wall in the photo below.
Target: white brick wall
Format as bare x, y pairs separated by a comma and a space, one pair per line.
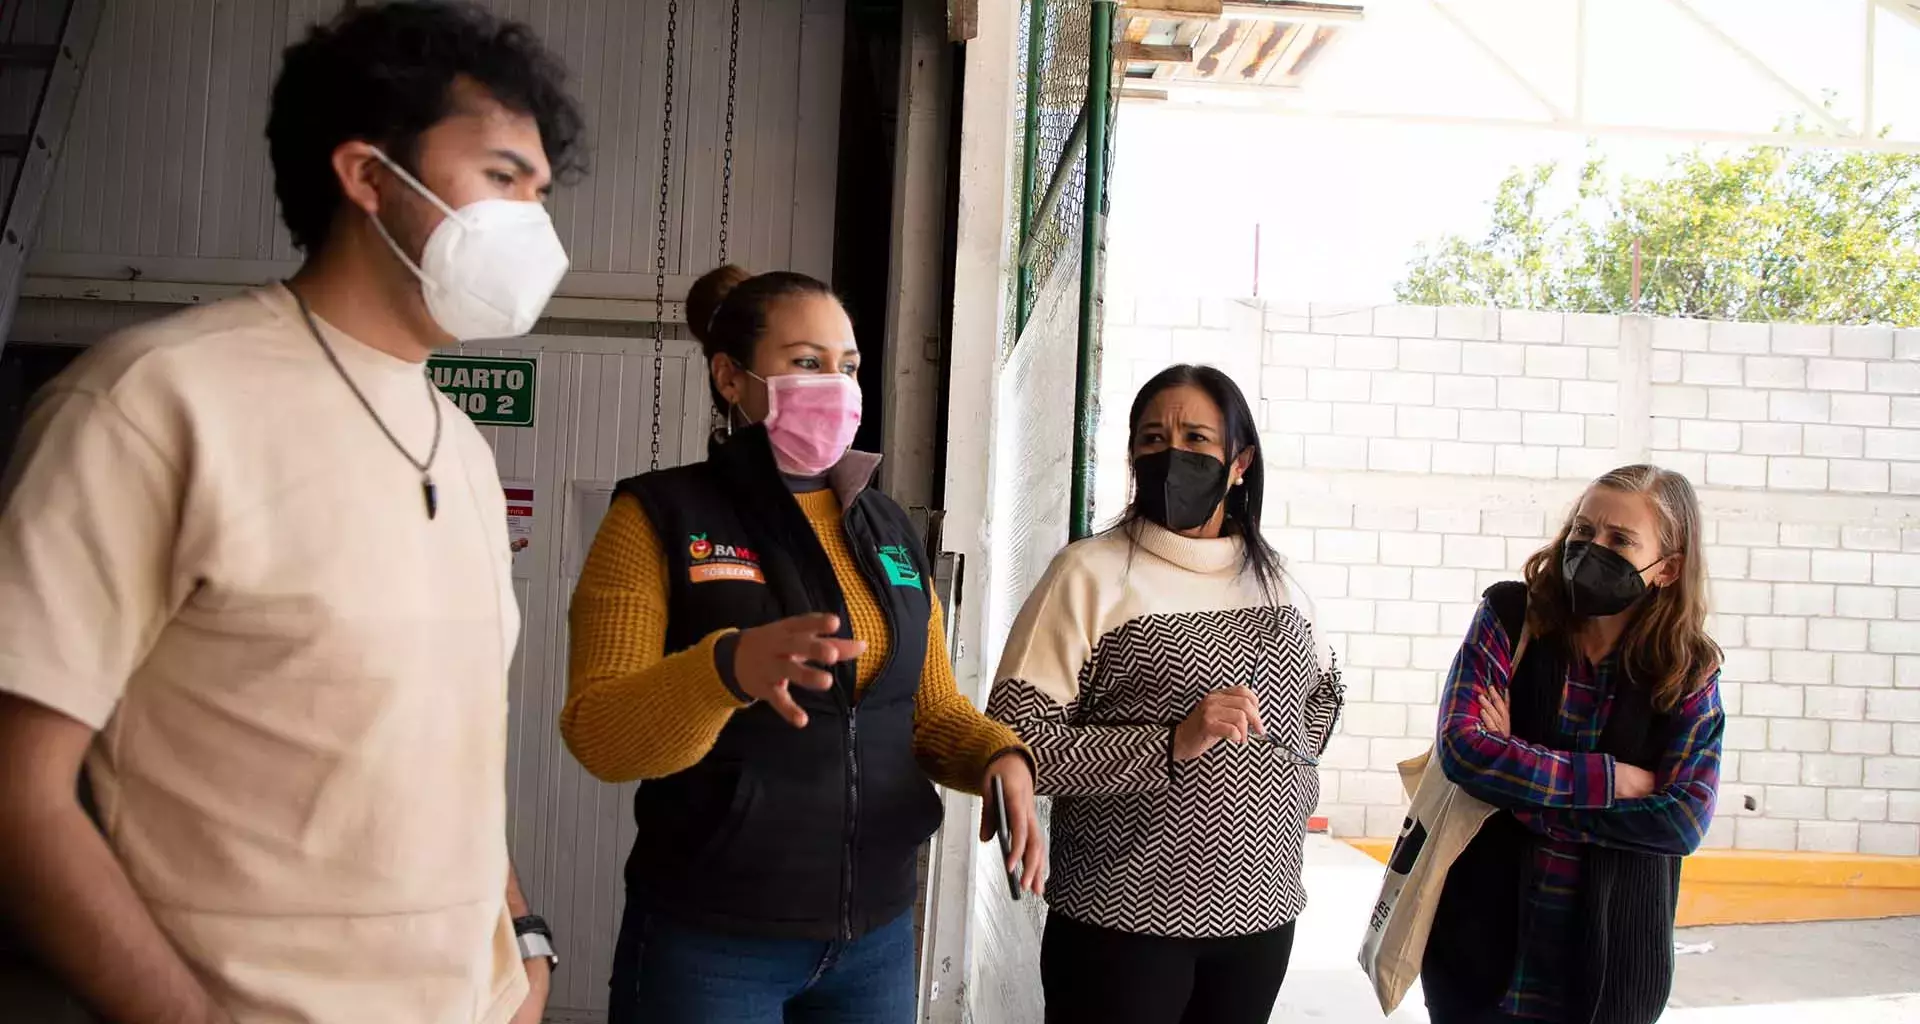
1416, 456
1770, 380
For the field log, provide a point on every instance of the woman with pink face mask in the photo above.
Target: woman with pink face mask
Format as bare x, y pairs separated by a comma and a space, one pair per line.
755, 636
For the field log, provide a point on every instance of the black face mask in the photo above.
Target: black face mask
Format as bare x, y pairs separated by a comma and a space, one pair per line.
1599, 581
1177, 489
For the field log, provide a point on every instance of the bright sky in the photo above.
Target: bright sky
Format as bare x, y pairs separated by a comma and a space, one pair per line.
1342, 202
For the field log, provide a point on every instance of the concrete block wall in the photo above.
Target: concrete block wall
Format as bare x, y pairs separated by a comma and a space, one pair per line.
1416, 456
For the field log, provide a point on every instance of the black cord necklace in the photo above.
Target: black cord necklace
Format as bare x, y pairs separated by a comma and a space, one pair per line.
427, 489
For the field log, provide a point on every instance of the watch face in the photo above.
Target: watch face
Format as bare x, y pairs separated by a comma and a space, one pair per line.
534, 946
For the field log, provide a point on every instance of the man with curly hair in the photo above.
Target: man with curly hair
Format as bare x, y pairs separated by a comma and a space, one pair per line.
256, 578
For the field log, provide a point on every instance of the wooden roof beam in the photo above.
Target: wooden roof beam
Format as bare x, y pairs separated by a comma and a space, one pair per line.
1156, 53
1300, 12
1178, 10
1304, 12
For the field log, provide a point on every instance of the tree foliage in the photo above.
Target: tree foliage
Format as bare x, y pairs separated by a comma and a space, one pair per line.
1807, 236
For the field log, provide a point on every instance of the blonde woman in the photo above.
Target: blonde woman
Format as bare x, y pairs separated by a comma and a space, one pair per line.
1602, 749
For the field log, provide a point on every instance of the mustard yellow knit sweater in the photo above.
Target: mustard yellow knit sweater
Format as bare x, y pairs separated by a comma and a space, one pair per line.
632, 713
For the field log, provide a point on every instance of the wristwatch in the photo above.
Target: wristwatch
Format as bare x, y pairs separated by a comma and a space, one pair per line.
536, 940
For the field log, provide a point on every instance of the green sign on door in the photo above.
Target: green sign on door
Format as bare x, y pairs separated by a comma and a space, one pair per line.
492, 392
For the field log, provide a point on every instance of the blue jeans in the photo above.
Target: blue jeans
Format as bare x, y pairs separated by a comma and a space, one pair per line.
666, 974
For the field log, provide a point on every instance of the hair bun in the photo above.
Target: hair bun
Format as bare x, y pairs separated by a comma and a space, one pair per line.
707, 294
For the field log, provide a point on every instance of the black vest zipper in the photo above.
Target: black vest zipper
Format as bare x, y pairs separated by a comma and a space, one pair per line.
853, 824
859, 543
846, 691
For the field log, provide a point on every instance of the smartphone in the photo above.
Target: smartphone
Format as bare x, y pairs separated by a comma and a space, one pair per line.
1006, 839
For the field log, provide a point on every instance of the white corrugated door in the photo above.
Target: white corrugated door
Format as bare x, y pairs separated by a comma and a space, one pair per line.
592, 426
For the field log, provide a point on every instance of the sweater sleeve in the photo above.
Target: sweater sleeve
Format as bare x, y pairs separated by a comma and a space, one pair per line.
1042, 670
633, 711
1323, 709
1326, 696
953, 741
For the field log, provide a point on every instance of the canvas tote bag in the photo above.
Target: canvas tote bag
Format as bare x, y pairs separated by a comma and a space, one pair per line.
1442, 820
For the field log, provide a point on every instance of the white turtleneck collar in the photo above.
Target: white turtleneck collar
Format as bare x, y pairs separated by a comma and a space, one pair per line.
1210, 556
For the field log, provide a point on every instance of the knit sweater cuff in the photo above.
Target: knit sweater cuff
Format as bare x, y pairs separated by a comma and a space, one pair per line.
955, 750
1019, 750
723, 652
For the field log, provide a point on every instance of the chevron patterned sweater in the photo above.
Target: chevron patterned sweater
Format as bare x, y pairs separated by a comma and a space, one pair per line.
1123, 637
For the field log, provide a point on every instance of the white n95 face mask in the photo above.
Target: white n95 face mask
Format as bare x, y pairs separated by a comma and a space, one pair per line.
489, 268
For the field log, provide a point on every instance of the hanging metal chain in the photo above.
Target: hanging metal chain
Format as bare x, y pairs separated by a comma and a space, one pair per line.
660, 242
726, 153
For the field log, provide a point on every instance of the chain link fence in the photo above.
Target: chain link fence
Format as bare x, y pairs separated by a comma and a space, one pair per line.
1057, 282
1061, 70
1063, 92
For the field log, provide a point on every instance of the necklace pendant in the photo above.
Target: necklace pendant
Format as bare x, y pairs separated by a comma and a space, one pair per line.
432, 494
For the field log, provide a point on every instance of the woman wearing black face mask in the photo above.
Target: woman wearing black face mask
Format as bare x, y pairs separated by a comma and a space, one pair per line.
1176, 873
1601, 747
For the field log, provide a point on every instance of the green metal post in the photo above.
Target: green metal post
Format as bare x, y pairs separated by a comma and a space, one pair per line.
1093, 232
1029, 162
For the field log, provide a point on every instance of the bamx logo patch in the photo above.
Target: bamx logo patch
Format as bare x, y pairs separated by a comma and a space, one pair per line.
715, 563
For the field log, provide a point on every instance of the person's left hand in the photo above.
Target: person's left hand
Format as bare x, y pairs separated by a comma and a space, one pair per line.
539, 984
1025, 847
1494, 714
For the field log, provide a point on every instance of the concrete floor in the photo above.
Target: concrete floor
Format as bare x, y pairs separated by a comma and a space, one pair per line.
1859, 972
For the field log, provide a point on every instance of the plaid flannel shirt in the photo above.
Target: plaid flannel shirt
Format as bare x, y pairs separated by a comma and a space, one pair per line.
1566, 796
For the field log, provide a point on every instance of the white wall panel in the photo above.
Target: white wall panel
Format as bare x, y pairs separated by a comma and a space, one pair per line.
167, 160
1033, 468
1033, 452
167, 154
64, 322
569, 832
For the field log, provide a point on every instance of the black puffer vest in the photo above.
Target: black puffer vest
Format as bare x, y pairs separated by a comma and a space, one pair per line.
782, 832
1620, 958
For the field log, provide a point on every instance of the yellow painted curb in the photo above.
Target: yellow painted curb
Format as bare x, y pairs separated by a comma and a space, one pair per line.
1758, 887
1819, 870
1378, 849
